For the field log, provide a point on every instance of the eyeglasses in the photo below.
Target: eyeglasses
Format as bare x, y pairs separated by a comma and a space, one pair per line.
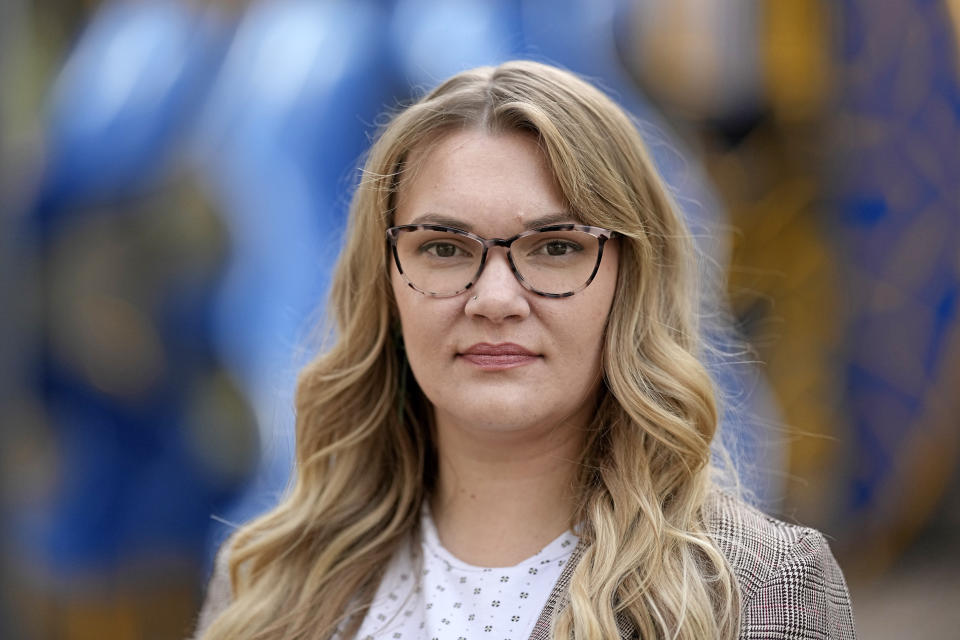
554, 261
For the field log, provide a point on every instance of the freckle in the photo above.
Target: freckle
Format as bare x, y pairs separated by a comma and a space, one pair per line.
473, 496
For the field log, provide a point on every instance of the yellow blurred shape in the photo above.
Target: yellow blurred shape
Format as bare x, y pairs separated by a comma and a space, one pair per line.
112, 343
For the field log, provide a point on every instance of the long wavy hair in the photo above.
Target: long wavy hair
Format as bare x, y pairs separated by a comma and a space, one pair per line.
364, 456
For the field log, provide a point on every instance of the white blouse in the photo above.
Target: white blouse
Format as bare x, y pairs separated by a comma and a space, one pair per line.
443, 598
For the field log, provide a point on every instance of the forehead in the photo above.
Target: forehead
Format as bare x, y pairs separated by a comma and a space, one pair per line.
488, 183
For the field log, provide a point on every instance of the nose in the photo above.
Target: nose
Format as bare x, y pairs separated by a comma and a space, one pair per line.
497, 294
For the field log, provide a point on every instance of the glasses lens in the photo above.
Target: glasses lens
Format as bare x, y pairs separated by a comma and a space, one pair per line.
556, 262
438, 262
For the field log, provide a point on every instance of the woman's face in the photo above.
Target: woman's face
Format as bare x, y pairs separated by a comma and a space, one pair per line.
498, 357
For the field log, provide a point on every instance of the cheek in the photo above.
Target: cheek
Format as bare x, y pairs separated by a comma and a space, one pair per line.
588, 335
407, 300
424, 322
406, 309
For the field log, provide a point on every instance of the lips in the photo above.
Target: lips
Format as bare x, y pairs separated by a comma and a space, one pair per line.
505, 355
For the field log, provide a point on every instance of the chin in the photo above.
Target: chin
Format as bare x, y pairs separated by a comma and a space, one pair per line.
498, 412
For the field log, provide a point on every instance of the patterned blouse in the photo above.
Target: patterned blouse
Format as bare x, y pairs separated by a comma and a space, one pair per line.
791, 587
427, 592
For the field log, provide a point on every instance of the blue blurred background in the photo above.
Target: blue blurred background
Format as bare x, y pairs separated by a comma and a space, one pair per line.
175, 177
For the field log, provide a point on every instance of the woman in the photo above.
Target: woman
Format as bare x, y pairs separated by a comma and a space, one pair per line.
510, 435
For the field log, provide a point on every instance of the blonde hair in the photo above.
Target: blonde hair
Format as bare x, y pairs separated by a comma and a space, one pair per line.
364, 459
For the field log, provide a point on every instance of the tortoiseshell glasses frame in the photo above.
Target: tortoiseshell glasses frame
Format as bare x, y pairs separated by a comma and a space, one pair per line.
583, 273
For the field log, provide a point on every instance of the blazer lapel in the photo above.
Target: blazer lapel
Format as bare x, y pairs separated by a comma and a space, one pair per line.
558, 598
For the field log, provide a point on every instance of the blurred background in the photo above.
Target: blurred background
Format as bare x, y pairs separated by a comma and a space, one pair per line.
175, 177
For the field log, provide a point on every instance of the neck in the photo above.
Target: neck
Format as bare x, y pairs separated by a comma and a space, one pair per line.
500, 498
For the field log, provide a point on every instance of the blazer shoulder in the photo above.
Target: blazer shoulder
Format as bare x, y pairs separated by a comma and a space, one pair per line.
754, 543
790, 584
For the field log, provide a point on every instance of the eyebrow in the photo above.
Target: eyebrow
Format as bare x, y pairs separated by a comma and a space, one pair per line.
450, 221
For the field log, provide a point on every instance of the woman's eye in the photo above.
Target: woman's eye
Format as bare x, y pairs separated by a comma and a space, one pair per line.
559, 247
442, 249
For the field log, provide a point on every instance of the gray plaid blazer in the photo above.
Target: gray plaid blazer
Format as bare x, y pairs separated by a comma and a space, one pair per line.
791, 587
